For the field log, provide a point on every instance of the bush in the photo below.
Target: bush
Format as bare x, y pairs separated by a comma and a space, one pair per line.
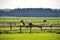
44, 20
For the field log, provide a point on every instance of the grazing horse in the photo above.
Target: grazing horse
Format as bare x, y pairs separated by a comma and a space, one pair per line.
22, 22
30, 24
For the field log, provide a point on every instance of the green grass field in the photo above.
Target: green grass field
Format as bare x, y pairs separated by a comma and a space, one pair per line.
30, 36
30, 19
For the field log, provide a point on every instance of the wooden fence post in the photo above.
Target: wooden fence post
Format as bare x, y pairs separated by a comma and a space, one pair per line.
41, 28
20, 29
30, 28
10, 26
51, 27
30, 25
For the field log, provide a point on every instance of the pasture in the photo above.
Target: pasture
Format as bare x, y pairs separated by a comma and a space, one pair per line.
51, 23
30, 36
29, 19
50, 30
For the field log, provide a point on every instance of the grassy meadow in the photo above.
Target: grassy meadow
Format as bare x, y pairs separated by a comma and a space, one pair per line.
29, 19
30, 36
36, 34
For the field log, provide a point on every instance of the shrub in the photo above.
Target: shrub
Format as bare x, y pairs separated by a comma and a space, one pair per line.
44, 20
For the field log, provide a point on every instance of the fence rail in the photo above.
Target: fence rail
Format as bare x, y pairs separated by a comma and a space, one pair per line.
11, 25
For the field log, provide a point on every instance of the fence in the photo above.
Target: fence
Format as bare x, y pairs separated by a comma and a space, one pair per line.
10, 24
